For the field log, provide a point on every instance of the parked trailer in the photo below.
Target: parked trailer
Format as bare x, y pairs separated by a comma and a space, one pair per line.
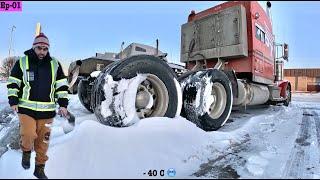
231, 60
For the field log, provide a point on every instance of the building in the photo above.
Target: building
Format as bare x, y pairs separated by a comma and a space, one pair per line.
303, 80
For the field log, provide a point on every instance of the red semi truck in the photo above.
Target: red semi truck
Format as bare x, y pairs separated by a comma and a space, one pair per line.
231, 59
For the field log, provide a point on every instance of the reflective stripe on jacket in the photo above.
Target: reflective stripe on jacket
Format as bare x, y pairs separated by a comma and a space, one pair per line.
37, 105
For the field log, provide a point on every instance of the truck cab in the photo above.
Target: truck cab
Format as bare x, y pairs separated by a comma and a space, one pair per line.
240, 33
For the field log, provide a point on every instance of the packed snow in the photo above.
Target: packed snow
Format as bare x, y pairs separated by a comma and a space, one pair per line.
124, 100
259, 142
204, 96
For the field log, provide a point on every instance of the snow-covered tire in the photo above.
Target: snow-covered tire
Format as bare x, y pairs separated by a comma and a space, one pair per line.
207, 115
288, 96
84, 94
162, 79
184, 79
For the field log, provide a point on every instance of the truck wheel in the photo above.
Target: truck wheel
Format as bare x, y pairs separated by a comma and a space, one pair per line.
288, 95
207, 99
84, 94
156, 96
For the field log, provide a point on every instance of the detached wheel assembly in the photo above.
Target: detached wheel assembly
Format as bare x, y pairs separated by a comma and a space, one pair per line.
207, 99
156, 94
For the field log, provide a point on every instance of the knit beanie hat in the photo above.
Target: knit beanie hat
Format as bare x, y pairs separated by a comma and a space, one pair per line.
41, 40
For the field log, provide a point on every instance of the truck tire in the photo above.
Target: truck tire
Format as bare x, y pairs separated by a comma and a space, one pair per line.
288, 96
184, 80
209, 116
159, 84
84, 93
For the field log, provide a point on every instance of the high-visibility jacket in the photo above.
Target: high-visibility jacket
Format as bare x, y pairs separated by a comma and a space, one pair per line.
36, 85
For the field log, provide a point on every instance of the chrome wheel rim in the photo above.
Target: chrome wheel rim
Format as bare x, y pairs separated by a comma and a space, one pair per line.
152, 98
219, 103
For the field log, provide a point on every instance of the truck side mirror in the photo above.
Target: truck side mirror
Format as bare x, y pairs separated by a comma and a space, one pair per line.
285, 51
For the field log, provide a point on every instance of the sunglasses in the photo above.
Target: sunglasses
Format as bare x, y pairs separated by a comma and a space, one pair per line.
42, 48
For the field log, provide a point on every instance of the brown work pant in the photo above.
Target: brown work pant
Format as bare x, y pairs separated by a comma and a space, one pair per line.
35, 134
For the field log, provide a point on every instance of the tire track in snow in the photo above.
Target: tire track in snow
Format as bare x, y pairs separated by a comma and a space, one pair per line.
317, 122
222, 167
299, 156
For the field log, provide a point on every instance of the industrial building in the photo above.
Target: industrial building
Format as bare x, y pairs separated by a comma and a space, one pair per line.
303, 80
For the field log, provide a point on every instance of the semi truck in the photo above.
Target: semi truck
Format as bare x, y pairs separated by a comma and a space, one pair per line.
231, 60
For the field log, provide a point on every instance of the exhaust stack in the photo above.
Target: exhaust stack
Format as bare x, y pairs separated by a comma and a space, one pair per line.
157, 44
269, 11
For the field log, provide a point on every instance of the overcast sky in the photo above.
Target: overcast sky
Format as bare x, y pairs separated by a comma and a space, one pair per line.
78, 30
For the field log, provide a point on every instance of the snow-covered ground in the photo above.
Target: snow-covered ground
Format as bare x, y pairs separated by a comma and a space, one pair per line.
283, 142
260, 142
3, 95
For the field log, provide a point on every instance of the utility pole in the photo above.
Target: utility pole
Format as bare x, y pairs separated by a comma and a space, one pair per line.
38, 29
121, 49
10, 44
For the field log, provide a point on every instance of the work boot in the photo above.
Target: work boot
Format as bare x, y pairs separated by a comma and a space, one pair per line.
25, 162
39, 171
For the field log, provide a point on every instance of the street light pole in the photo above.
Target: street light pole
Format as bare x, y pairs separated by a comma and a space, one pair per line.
10, 44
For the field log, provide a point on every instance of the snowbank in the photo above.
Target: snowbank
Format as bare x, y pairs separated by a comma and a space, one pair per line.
93, 150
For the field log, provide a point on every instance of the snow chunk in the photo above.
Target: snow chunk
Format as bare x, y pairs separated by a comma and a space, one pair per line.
109, 85
125, 92
204, 98
209, 99
95, 73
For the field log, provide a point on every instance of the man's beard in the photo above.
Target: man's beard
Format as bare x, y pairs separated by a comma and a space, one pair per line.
41, 57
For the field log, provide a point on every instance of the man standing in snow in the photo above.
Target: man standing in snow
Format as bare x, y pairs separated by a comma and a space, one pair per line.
35, 84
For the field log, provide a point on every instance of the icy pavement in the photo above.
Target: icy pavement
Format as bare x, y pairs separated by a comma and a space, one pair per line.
260, 142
